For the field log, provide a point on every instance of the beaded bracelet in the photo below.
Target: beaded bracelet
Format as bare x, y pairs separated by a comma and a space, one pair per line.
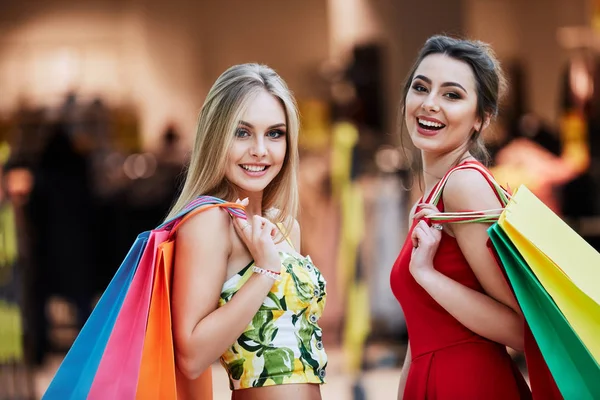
266, 272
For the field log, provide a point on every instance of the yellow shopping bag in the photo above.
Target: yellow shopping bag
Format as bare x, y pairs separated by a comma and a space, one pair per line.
566, 266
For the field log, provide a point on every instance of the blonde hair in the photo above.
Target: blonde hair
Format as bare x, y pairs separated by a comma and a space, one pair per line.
219, 117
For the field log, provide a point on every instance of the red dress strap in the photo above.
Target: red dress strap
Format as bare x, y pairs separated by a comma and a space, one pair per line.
502, 194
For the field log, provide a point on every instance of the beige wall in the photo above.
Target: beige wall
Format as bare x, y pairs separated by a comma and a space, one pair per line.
165, 55
405, 26
527, 31
162, 56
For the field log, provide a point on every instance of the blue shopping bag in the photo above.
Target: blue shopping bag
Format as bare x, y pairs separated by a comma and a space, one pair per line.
76, 373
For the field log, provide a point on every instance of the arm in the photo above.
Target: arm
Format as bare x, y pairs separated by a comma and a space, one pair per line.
404, 373
202, 332
494, 314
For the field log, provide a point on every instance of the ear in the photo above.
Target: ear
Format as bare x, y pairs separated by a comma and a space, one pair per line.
478, 126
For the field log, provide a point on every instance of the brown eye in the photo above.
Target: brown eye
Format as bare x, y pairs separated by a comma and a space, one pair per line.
453, 96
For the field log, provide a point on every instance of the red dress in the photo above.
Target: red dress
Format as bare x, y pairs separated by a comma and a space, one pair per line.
449, 361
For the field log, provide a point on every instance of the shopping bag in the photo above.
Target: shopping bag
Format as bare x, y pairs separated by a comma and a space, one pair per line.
566, 265
75, 375
572, 366
117, 374
123, 311
157, 372
541, 382
159, 378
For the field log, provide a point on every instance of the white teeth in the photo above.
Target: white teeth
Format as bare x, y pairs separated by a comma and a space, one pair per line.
430, 123
254, 168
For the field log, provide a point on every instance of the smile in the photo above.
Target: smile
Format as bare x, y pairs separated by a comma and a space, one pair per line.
254, 168
431, 125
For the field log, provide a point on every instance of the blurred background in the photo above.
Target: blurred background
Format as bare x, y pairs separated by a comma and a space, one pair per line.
98, 102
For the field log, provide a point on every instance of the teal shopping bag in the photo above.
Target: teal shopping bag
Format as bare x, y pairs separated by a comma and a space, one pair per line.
575, 371
76, 373
121, 327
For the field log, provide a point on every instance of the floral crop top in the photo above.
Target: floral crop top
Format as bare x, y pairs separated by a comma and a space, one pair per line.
283, 342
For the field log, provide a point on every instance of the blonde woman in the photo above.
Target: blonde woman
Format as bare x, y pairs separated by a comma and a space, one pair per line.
241, 290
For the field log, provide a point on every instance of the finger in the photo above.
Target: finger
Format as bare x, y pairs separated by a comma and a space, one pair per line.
427, 231
428, 207
437, 234
271, 228
424, 213
242, 227
240, 202
257, 227
423, 235
436, 228
414, 237
423, 225
421, 214
267, 231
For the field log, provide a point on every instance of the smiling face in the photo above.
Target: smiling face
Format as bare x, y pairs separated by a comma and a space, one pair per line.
258, 151
441, 105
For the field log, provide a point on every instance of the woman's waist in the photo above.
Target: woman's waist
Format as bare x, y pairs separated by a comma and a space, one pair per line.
420, 347
292, 391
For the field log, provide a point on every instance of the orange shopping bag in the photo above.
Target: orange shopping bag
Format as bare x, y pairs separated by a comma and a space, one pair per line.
159, 377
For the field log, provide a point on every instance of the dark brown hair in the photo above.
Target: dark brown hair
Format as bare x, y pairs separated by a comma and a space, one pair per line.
490, 83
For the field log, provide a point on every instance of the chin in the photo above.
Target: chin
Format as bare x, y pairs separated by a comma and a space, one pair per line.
255, 187
425, 144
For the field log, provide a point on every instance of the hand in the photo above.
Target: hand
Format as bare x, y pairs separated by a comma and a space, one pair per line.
425, 240
257, 234
426, 210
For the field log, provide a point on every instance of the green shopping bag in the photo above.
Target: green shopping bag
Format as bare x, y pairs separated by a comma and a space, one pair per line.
573, 367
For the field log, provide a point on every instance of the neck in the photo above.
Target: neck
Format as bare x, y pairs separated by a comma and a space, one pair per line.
254, 206
435, 166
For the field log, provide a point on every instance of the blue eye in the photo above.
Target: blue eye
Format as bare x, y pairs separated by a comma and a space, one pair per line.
241, 133
275, 134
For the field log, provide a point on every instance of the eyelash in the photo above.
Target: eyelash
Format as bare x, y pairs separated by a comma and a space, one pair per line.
453, 96
243, 133
278, 132
240, 132
450, 95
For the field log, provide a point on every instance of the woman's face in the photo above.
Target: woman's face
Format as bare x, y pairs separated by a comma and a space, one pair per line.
259, 148
441, 105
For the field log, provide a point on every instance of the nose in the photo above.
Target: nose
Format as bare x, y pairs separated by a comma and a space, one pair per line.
430, 104
258, 148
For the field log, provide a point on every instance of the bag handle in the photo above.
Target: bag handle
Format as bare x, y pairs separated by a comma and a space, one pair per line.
230, 207
462, 217
199, 202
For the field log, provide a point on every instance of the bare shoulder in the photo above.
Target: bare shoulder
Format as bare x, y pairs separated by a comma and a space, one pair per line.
468, 189
213, 224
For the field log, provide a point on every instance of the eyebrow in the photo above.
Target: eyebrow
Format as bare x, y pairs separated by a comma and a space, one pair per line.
249, 125
445, 84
